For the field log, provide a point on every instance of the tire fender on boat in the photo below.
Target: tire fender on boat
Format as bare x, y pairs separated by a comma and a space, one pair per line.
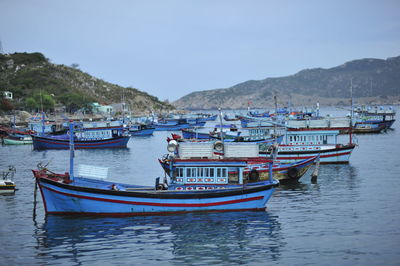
254, 175
293, 172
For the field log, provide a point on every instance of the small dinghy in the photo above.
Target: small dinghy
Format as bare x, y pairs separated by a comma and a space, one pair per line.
7, 185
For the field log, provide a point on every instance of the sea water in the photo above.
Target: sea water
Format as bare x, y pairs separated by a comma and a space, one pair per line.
350, 216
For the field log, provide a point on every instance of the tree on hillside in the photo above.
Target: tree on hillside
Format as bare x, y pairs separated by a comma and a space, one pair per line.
31, 104
74, 102
45, 101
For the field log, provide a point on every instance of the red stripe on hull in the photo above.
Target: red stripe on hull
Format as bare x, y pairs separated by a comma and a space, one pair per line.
306, 157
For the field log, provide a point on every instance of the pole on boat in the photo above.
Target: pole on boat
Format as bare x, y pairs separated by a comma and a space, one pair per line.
34, 198
220, 121
43, 121
351, 112
71, 150
315, 173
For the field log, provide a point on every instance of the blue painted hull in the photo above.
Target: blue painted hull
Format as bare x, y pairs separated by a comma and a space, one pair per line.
143, 132
166, 127
98, 199
45, 143
195, 135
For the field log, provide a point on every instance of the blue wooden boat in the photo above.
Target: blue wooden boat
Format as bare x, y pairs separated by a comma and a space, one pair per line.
71, 194
141, 130
192, 134
86, 138
171, 125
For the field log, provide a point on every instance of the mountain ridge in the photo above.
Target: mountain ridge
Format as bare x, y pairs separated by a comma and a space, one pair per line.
374, 81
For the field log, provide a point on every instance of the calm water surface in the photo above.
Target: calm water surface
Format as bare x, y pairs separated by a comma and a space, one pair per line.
350, 216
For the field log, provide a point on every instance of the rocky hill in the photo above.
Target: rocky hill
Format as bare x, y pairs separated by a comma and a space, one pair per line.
375, 81
28, 74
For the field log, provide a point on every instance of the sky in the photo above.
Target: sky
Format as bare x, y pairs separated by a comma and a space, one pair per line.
169, 48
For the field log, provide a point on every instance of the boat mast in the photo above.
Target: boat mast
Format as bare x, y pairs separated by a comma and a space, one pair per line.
351, 112
220, 121
71, 150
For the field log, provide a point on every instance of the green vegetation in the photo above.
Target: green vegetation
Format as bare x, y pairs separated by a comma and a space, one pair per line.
29, 75
73, 102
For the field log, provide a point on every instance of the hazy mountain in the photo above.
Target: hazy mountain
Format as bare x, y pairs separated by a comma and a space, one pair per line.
374, 81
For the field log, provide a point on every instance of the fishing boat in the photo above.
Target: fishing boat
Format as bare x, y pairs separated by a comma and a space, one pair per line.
17, 139
171, 125
369, 127
89, 136
375, 117
141, 130
82, 194
300, 145
7, 184
197, 164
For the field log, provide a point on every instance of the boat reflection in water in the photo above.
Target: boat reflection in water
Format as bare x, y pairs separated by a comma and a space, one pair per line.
188, 238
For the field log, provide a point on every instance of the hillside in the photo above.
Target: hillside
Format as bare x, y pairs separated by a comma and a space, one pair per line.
374, 81
27, 75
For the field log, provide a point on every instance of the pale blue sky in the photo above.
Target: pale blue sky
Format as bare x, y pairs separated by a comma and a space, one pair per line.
171, 48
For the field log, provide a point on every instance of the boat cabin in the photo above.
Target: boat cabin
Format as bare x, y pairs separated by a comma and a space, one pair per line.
211, 165
317, 137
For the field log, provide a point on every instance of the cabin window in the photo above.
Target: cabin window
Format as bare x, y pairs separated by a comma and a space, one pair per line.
179, 172
224, 172
219, 172
188, 172
211, 172
207, 172
200, 172
233, 175
291, 138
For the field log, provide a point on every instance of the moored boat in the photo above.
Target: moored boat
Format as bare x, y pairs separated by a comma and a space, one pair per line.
17, 139
85, 138
7, 184
141, 130
195, 164
300, 145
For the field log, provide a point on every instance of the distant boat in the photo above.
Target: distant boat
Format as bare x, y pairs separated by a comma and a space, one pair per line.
141, 130
171, 125
17, 139
300, 145
85, 138
7, 184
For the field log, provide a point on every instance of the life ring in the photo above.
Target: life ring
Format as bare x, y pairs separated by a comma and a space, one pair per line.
219, 146
254, 175
293, 172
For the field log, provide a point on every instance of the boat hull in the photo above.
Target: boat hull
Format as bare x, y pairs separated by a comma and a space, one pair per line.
43, 143
7, 187
166, 127
8, 141
60, 198
143, 132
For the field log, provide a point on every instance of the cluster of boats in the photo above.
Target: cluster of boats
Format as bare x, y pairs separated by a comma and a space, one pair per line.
225, 167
